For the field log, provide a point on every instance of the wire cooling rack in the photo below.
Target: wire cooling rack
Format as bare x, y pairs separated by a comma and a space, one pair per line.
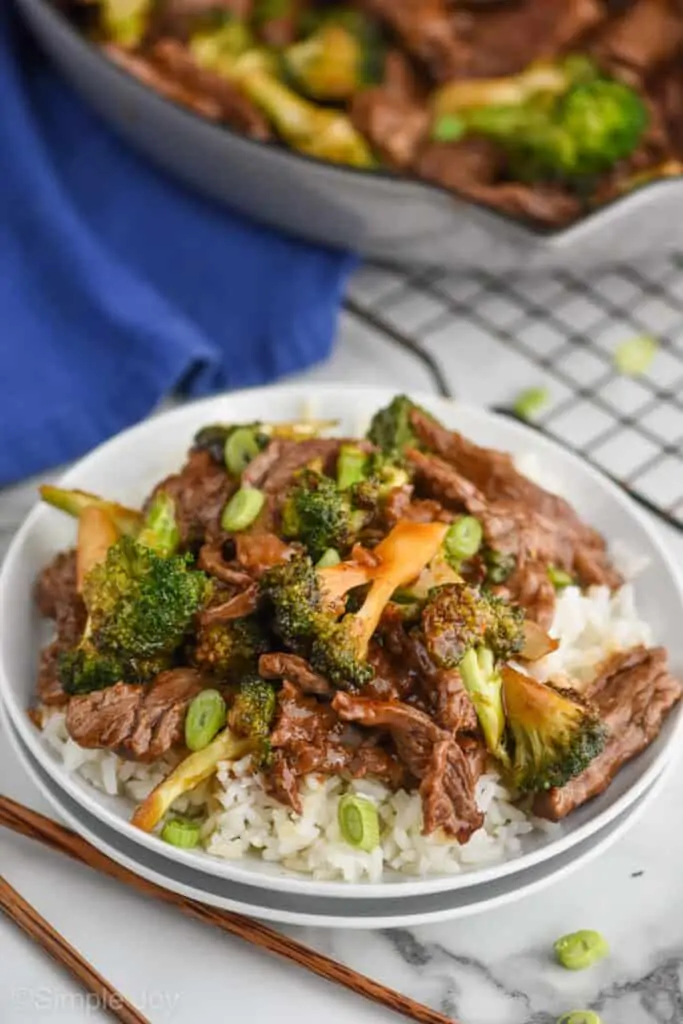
566, 327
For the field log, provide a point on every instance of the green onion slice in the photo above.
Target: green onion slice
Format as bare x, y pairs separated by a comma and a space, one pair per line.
205, 718
581, 949
464, 538
580, 1017
530, 402
359, 822
242, 509
181, 832
240, 448
635, 356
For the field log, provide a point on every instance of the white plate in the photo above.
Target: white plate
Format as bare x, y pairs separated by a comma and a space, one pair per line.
320, 911
127, 466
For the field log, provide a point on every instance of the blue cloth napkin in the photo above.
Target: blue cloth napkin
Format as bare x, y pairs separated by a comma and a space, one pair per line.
119, 286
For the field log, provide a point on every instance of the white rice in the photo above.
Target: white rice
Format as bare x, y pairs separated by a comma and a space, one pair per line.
243, 820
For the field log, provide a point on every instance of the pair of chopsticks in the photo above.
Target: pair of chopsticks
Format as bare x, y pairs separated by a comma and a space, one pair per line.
20, 819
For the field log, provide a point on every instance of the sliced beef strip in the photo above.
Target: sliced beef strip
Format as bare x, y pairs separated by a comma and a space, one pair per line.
236, 607
141, 723
49, 687
400, 77
465, 166
212, 560
502, 39
496, 475
530, 586
235, 108
178, 17
439, 692
309, 737
259, 551
400, 505
425, 29
548, 531
200, 491
647, 35
395, 125
273, 469
56, 584
432, 755
56, 596
634, 694
279, 665
544, 203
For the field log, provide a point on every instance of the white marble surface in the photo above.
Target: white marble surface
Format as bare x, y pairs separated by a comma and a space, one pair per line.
492, 969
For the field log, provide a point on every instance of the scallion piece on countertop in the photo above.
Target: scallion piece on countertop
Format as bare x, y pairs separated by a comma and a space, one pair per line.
358, 822
241, 446
635, 356
181, 832
464, 538
205, 718
242, 509
529, 403
581, 949
580, 1017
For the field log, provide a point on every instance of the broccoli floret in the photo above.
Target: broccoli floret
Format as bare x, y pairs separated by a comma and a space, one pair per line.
160, 530
483, 682
306, 603
230, 649
457, 617
84, 669
391, 429
310, 627
561, 121
316, 513
253, 709
139, 604
292, 588
342, 55
321, 132
553, 734
252, 714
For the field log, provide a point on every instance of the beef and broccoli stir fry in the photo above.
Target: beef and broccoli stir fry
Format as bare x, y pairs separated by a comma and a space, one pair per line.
358, 607
542, 109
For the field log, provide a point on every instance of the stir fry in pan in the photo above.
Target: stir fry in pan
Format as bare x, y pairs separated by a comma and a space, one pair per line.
542, 109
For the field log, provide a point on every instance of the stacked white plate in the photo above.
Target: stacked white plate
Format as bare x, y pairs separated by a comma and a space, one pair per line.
126, 468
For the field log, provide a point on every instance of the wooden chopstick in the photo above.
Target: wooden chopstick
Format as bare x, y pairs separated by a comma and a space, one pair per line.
17, 909
29, 823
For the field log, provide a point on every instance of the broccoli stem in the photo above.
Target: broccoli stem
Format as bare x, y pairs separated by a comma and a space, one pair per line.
160, 529
484, 685
196, 768
127, 520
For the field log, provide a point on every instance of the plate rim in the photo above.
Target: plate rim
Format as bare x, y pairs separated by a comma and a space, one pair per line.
89, 798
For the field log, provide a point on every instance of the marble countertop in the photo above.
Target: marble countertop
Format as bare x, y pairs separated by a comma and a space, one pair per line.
495, 968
